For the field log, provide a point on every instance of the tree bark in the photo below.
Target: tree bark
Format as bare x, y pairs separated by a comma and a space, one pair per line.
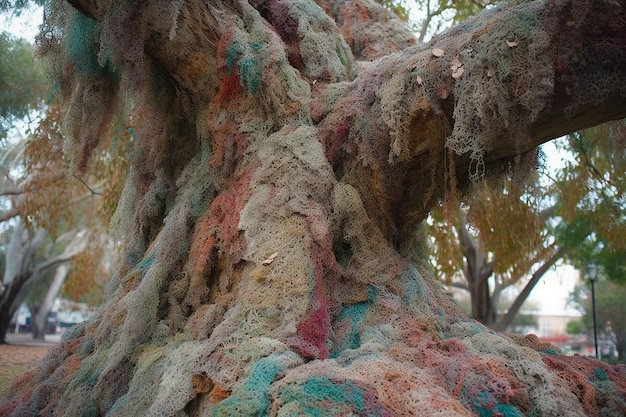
284, 153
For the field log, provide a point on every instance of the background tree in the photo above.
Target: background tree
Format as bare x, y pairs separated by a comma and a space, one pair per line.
508, 236
610, 312
22, 81
284, 154
439, 14
25, 266
575, 327
41, 298
527, 226
57, 216
591, 199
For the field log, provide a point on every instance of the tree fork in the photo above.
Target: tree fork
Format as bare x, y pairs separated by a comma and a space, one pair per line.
269, 215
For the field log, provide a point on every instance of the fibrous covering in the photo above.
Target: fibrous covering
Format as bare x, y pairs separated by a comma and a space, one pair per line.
283, 153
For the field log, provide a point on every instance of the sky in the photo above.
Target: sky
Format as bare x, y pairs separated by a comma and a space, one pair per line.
552, 291
24, 26
550, 295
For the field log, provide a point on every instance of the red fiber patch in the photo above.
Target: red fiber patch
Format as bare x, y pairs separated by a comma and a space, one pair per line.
334, 142
576, 379
220, 226
231, 87
314, 330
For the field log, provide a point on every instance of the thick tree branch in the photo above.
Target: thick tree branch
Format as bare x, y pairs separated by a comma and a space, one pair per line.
459, 285
10, 189
75, 246
505, 320
8, 214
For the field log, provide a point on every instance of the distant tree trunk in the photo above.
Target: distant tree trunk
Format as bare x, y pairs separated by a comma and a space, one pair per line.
6, 314
477, 272
283, 154
18, 276
620, 344
40, 316
22, 270
38, 329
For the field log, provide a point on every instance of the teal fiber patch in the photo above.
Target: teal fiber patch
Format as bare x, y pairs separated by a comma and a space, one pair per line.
486, 406
145, 263
323, 389
81, 44
355, 313
249, 74
249, 68
253, 398
319, 397
550, 351
233, 53
413, 284
599, 375
507, 410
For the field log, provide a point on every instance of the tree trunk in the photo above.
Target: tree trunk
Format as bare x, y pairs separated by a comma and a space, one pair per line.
40, 317
279, 171
10, 302
38, 327
477, 272
22, 272
5, 319
620, 345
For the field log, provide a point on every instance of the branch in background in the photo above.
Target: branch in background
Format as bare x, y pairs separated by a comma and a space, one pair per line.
587, 162
7, 215
459, 285
77, 245
91, 190
7, 190
505, 320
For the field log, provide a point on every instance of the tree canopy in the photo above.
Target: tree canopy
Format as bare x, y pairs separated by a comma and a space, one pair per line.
22, 82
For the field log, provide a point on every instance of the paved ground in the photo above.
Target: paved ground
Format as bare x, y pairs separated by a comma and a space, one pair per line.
26, 339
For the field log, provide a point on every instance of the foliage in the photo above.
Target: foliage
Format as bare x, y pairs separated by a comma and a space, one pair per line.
22, 81
439, 14
505, 218
399, 7
507, 224
61, 206
592, 201
575, 327
56, 199
524, 225
54, 206
610, 310
16, 6
54, 195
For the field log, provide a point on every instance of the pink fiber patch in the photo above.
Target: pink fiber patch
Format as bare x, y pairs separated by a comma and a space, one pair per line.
313, 332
